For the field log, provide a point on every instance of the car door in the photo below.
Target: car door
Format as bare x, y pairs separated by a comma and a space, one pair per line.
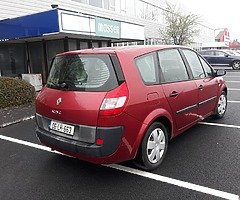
181, 92
222, 58
206, 83
209, 56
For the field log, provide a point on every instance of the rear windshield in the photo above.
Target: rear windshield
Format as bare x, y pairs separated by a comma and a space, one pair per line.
77, 72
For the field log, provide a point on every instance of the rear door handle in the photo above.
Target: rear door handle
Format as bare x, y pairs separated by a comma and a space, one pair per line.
173, 94
200, 87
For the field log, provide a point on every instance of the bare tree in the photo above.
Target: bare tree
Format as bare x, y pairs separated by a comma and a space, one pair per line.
180, 27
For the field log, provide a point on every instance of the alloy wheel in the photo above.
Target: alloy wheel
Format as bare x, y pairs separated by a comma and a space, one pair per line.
236, 65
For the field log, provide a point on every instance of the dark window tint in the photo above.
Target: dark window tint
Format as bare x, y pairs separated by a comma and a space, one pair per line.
54, 47
194, 63
208, 53
206, 67
147, 68
220, 53
82, 73
172, 66
13, 59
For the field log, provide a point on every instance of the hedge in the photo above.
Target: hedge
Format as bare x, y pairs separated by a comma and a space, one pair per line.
15, 92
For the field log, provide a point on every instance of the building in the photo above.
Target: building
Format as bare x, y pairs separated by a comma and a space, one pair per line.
33, 32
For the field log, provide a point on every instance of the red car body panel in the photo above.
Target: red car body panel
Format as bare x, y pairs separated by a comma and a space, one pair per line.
76, 107
144, 105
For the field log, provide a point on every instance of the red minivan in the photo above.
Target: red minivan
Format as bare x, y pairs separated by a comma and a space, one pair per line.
110, 105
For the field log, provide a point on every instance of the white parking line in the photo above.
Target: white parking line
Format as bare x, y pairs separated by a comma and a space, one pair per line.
183, 184
234, 89
176, 182
233, 101
221, 125
233, 81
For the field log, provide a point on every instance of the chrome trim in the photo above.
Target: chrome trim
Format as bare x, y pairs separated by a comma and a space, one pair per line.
184, 110
206, 101
187, 109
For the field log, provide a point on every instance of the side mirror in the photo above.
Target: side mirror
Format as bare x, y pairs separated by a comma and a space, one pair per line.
226, 55
220, 72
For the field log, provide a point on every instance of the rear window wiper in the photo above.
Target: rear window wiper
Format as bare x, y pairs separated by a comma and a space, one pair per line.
66, 84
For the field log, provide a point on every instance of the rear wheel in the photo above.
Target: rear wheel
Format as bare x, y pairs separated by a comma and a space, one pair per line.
221, 107
236, 64
153, 147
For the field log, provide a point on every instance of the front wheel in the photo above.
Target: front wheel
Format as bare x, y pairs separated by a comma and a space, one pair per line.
153, 147
236, 65
221, 107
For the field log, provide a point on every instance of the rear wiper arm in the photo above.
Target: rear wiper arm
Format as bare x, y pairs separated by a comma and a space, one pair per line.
66, 84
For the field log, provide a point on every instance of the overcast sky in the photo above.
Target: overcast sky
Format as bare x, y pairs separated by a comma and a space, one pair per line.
219, 14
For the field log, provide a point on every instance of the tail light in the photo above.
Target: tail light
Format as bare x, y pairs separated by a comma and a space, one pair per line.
115, 101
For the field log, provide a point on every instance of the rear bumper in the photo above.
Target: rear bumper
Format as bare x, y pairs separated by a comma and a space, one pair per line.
111, 137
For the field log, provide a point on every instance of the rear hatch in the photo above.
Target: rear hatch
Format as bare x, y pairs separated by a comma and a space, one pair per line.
76, 87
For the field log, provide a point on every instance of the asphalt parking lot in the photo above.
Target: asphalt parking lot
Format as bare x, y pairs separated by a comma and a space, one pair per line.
202, 163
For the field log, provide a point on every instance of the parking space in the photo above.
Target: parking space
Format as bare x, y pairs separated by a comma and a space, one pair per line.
188, 160
206, 155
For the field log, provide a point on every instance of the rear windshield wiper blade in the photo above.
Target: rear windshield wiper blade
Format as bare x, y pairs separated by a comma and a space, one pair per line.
66, 84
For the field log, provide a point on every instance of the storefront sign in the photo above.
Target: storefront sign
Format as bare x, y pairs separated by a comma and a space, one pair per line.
107, 28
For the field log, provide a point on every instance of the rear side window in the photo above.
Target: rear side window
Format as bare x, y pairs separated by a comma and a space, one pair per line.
172, 66
147, 68
82, 73
220, 53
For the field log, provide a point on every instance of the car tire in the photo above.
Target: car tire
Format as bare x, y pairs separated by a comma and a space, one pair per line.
236, 64
153, 147
221, 106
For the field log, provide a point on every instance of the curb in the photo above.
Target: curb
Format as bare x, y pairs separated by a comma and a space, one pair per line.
17, 121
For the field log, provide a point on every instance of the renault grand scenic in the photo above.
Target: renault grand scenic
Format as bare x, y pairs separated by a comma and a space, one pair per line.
110, 105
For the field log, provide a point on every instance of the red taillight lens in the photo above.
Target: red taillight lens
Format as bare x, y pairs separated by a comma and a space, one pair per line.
99, 141
115, 101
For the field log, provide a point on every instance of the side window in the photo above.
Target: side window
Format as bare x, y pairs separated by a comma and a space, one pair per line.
210, 53
147, 68
194, 63
206, 67
172, 66
220, 53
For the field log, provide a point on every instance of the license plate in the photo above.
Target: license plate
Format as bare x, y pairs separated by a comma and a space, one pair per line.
63, 128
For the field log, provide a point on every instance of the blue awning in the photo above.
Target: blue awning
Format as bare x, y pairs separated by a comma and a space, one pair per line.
29, 26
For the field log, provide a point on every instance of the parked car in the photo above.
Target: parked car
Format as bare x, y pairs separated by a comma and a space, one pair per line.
217, 57
110, 105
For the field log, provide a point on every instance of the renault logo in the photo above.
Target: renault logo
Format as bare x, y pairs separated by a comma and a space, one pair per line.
59, 100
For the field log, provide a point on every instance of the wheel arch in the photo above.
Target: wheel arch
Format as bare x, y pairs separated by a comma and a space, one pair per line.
159, 115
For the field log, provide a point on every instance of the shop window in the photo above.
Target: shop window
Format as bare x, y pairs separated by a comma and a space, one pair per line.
95, 44
83, 45
104, 44
72, 44
13, 59
36, 58
54, 47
